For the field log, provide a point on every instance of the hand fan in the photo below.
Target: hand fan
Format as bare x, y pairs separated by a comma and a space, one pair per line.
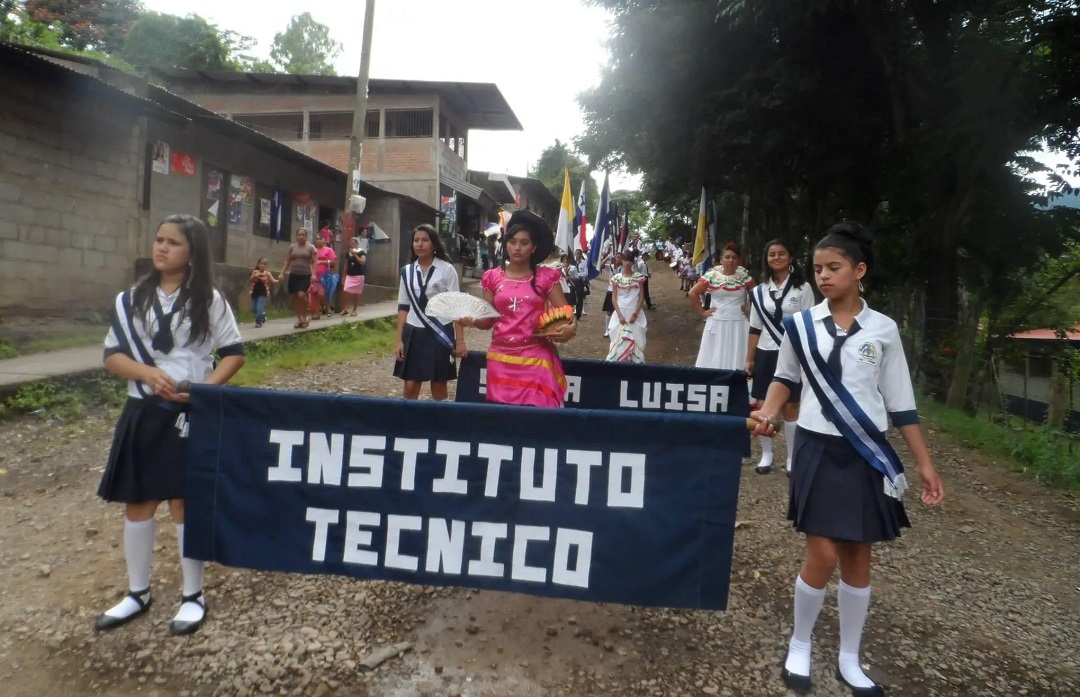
450, 307
553, 320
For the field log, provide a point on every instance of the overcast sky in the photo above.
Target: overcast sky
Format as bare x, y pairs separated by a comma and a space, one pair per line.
541, 54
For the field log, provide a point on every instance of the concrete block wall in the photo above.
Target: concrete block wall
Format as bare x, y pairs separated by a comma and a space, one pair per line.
69, 185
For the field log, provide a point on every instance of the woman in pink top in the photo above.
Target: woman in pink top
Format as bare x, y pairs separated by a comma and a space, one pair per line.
521, 367
324, 262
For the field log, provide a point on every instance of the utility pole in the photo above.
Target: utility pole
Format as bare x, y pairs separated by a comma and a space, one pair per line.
356, 142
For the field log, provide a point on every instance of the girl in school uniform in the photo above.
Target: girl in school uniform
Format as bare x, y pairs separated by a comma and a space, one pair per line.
629, 326
846, 480
426, 347
783, 292
164, 331
723, 343
522, 368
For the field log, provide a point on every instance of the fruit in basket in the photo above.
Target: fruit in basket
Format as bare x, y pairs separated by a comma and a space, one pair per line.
555, 318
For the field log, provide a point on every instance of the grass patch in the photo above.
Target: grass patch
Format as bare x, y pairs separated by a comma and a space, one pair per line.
337, 344
1047, 454
68, 398
75, 396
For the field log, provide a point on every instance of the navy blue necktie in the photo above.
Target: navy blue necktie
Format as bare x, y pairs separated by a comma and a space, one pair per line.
838, 342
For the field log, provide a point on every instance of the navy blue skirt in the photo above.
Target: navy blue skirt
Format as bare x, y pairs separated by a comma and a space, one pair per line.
764, 370
148, 454
835, 493
426, 358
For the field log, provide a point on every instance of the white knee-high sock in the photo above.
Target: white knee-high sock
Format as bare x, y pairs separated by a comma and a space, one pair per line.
191, 569
854, 604
789, 440
138, 551
808, 602
766, 452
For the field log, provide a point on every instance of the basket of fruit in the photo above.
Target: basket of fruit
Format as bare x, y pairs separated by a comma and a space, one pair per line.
553, 320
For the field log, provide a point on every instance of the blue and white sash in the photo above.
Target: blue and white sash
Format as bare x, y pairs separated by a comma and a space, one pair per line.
408, 277
841, 408
776, 331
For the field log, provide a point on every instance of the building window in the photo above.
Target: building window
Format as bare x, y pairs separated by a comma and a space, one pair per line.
371, 125
409, 123
265, 192
276, 126
330, 125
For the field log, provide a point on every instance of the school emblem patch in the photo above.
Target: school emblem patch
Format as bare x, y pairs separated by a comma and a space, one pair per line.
868, 353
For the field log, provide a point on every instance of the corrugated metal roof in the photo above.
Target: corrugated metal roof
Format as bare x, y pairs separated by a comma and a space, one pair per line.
1047, 335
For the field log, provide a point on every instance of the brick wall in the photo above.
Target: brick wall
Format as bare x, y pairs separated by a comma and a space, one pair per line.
69, 183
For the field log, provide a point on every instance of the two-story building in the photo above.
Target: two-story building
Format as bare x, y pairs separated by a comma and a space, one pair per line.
416, 133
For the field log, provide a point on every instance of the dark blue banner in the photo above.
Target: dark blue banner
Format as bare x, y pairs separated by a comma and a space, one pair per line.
611, 506
641, 387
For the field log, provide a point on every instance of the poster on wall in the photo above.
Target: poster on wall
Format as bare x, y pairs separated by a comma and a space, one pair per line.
236, 206
264, 211
182, 163
247, 186
161, 157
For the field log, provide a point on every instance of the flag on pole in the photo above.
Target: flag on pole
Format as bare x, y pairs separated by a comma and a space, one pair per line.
564, 232
711, 231
701, 240
624, 231
580, 219
601, 229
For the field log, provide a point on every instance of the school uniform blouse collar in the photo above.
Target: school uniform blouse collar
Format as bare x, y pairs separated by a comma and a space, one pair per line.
821, 311
771, 284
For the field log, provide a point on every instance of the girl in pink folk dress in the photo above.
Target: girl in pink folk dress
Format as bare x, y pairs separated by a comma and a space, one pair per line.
522, 368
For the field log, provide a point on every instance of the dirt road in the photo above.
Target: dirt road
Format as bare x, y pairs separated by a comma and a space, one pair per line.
981, 597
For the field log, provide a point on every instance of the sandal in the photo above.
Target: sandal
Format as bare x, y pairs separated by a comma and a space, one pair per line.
351, 314
106, 622
182, 627
304, 325
299, 325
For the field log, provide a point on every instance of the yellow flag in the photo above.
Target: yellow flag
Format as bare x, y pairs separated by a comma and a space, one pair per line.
702, 233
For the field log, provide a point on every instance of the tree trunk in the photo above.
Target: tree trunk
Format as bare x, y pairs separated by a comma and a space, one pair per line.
1059, 396
959, 386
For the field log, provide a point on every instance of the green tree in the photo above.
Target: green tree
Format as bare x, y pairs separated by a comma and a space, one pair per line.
161, 40
99, 25
905, 114
305, 48
549, 168
239, 47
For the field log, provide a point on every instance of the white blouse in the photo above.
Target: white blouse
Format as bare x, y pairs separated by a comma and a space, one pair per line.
183, 362
873, 369
443, 279
797, 300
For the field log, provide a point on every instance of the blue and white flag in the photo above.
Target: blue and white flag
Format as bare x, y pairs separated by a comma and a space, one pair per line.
602, 229
603, 506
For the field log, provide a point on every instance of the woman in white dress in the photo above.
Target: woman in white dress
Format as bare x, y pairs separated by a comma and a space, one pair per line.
628, 324
723, 343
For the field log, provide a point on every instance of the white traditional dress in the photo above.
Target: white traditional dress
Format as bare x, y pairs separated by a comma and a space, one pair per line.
723, 343
627, 340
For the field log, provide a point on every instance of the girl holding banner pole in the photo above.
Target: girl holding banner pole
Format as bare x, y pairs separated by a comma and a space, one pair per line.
523, 368
164, 332
426, 347
723, 343
847, 482
783, 292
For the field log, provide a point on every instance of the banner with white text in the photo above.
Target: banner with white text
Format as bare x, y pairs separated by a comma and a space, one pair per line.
600, 505
639, 387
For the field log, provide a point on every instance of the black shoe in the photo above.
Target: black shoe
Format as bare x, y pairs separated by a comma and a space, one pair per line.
764, 470
106, 622
875, 691
177, 627
799, 684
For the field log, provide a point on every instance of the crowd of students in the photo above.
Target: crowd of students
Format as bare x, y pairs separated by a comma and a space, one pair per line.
846, 481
